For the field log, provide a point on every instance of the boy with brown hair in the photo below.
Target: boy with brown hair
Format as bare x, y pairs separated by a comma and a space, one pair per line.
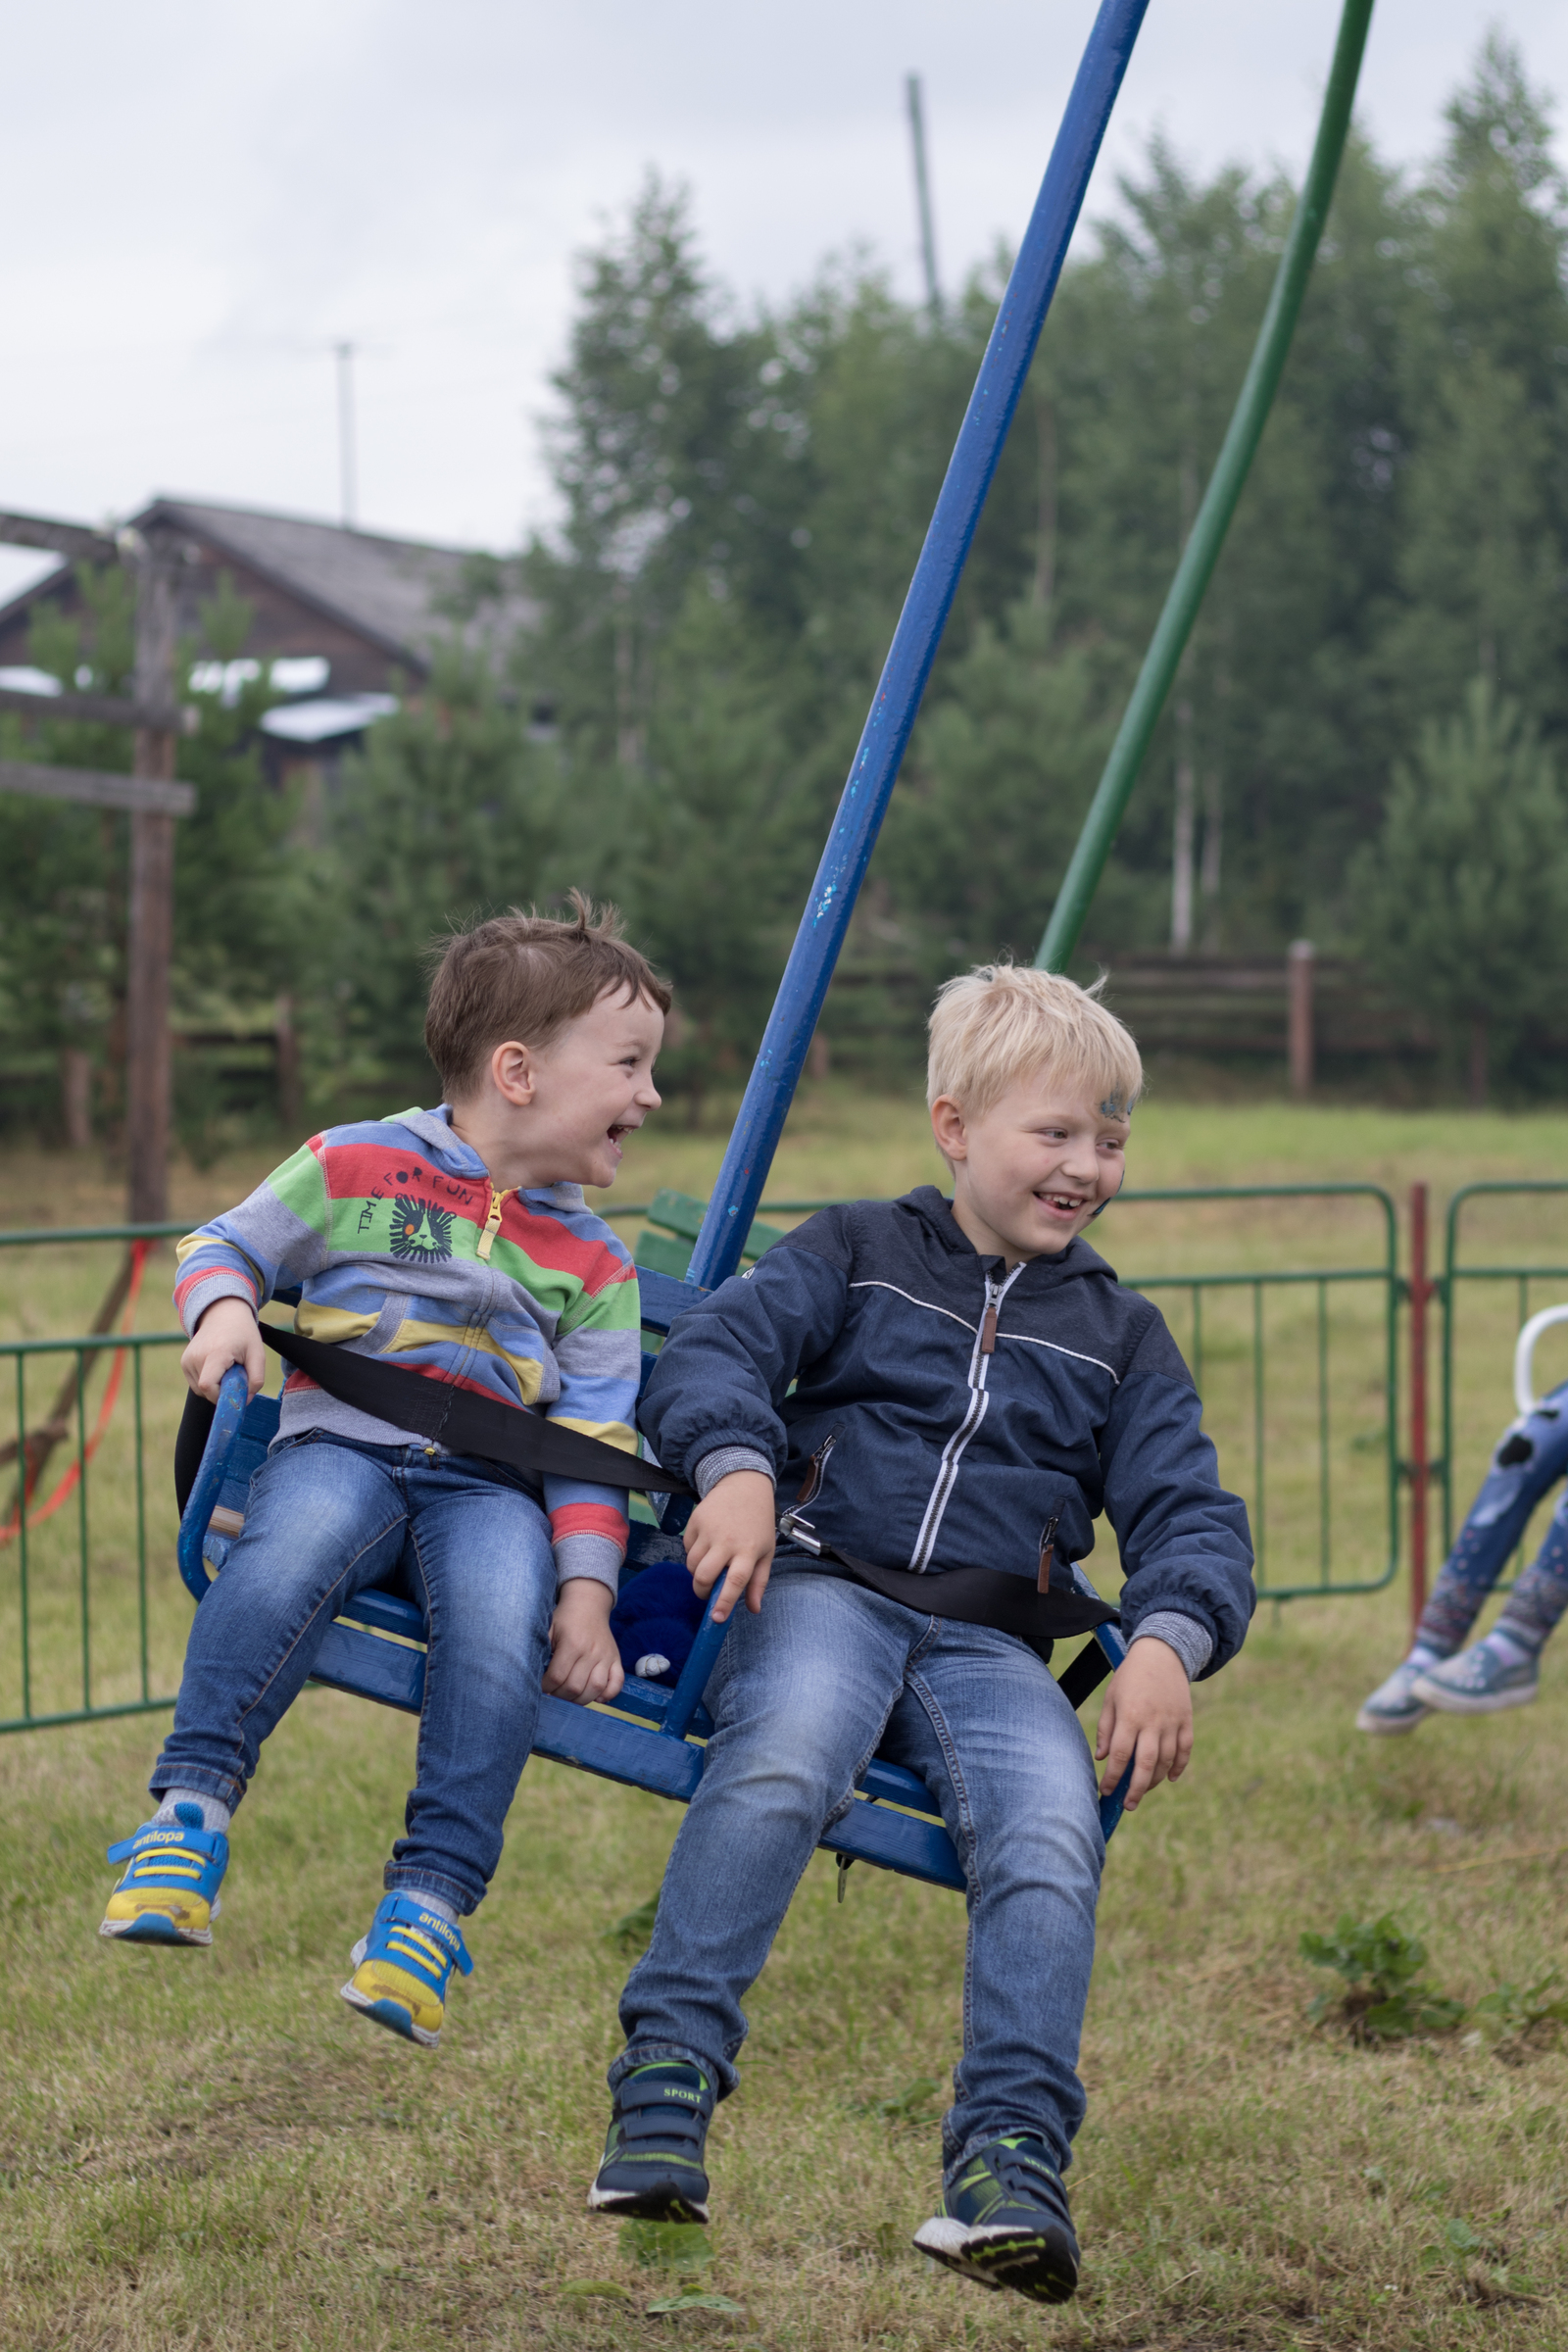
943, 1385
454, 1243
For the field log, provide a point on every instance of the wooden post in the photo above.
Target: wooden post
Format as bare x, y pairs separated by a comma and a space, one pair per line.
1420, 1292
1299, 969
288, 1065
150, 928
75, 1097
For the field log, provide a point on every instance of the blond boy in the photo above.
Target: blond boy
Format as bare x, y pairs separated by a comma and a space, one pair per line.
971, 1387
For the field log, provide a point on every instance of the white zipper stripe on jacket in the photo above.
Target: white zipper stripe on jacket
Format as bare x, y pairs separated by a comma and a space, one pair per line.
953, 1453
1076, 1354
962, 1321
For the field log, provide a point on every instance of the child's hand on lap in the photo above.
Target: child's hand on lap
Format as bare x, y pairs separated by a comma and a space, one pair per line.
227, 1334
584, 1662
1146, 1720
731, 1535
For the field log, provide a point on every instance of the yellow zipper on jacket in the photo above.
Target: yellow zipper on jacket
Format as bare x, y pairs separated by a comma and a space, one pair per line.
492, 1223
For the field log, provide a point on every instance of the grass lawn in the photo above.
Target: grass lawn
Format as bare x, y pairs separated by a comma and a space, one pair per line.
208, 2149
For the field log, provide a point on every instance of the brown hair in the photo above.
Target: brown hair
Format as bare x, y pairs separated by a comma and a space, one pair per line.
525, 977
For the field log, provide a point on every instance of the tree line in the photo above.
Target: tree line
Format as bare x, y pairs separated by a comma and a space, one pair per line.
1364, 743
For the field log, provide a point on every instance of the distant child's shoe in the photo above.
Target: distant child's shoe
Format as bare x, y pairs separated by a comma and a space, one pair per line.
402, 1967
1004, 2221
1480, 1681
1393, 1705
170, 1892
653, 2163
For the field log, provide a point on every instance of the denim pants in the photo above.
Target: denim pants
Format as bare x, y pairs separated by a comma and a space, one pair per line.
1536, 1456
326, 1517
803, 1695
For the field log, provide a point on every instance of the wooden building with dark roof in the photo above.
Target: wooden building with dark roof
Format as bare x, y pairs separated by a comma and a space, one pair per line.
367, 606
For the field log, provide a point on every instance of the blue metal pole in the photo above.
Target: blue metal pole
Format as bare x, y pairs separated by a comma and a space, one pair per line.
1003, 373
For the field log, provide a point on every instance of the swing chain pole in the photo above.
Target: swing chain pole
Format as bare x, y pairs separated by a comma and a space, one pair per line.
1225, 486
859, 820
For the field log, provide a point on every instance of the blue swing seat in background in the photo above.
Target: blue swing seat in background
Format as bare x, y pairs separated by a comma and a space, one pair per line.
649, 1736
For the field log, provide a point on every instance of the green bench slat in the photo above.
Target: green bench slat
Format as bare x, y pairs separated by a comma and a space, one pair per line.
664, 1253
682, 1213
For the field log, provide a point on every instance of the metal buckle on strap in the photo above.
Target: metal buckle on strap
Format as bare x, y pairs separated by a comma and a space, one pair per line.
795, 1529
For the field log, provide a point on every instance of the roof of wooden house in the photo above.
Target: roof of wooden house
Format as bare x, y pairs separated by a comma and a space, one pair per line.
371, 605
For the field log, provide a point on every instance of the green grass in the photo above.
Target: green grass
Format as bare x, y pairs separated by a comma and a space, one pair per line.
207, 2149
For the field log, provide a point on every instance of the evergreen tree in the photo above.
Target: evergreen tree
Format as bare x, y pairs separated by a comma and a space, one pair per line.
1463, 898
1484, 543
450, 812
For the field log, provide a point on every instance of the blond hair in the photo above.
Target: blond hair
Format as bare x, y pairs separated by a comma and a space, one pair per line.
1004, 1022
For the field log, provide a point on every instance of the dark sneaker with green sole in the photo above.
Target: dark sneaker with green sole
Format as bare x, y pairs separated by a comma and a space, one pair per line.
1004, 2221
653, 2165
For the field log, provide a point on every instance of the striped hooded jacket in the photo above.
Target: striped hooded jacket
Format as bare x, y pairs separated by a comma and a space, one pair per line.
403, 1248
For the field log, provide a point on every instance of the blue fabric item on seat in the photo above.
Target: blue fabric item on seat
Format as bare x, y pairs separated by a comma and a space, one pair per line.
657, 1614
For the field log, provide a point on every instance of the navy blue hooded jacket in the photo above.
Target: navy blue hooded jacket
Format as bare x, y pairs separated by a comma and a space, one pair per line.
933, 1451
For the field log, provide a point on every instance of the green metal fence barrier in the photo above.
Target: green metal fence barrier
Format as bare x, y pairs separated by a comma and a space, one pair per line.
1478, 1393
67, 1599
1296, 1363
1263, 1412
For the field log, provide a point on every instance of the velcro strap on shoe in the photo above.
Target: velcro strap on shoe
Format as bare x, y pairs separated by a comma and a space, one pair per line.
1021, 2168
171, 1838
662, 2127
642, 2097
407, 1911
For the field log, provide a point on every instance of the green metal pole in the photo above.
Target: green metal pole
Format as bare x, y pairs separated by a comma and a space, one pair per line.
1225, 486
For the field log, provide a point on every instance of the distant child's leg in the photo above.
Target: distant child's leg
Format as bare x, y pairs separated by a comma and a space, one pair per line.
320, 1520
1527, 1464
1504, 1669
480, 1552
1540, 1598
985, 1726
799, 1698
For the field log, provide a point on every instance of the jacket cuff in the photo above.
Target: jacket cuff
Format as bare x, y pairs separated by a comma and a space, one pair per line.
595, 1556
1192, 1643
208, 1291
722, 1460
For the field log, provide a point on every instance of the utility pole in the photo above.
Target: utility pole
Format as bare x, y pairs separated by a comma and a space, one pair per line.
151, 926
347, 486
922, 194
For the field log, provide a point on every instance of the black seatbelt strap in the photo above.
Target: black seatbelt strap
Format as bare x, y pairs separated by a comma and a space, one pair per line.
1083, 1676
465, 1421
1008, 1604
442, 1414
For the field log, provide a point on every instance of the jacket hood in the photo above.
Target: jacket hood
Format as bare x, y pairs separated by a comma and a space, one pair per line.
434, 1130
935, 1211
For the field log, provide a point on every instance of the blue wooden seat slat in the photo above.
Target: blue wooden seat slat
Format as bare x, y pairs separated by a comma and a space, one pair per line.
650, 1738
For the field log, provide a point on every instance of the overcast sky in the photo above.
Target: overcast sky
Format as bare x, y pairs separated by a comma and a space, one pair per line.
203, 199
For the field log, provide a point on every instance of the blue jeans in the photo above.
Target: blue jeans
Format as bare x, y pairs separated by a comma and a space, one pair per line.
802, 1699
324, 1518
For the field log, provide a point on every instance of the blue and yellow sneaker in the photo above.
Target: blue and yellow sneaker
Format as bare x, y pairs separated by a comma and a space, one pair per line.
653, 2163
1004, 2221
401, 1969
170, 1892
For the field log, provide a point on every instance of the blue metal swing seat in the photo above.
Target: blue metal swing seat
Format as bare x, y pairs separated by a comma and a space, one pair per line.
651, 1738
